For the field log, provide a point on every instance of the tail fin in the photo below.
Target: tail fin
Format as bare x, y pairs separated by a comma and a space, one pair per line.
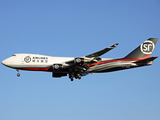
144, 50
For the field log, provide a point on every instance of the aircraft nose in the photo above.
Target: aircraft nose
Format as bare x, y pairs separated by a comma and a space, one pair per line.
6, 62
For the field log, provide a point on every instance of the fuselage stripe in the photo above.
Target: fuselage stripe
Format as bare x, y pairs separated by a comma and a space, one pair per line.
36, 69
119, 60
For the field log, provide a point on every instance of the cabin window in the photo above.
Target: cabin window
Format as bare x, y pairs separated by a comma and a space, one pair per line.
37, 60
33, 60
42, 61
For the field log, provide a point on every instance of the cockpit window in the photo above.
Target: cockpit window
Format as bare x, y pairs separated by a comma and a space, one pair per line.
13, 55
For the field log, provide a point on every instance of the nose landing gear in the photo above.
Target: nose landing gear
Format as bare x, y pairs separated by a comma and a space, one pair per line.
18, 73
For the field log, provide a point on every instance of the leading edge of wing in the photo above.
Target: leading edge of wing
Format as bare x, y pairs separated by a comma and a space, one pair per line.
101, 52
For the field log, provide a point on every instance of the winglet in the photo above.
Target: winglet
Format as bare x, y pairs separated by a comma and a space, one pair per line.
115, 45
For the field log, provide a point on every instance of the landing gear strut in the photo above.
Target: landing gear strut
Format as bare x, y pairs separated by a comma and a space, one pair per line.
71, 76
18, 73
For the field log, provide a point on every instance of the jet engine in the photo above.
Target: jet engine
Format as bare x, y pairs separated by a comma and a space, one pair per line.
56, 74
81, 61
57, 66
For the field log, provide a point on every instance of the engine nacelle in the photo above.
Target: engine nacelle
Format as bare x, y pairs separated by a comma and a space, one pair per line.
55, 74
79, 61
57, 66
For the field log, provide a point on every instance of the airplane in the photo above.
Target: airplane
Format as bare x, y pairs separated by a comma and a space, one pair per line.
76, 67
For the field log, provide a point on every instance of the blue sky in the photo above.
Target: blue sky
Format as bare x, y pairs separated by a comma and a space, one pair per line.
78, 28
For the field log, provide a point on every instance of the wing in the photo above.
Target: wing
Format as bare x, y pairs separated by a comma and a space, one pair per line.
101, 52
94, 56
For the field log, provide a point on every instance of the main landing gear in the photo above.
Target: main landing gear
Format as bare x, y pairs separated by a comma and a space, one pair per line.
74, 75
18, 73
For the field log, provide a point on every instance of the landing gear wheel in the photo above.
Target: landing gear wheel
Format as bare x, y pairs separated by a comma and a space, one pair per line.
71, 79
18, 74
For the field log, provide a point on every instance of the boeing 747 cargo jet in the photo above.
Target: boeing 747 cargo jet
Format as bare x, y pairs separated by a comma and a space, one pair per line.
81, 66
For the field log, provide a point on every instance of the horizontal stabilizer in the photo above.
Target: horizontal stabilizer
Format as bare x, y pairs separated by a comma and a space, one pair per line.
146, 60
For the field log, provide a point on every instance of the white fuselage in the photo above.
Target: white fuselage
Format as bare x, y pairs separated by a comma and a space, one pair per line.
33, 61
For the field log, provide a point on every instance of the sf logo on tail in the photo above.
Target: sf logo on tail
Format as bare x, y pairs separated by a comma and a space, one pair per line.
147, 47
